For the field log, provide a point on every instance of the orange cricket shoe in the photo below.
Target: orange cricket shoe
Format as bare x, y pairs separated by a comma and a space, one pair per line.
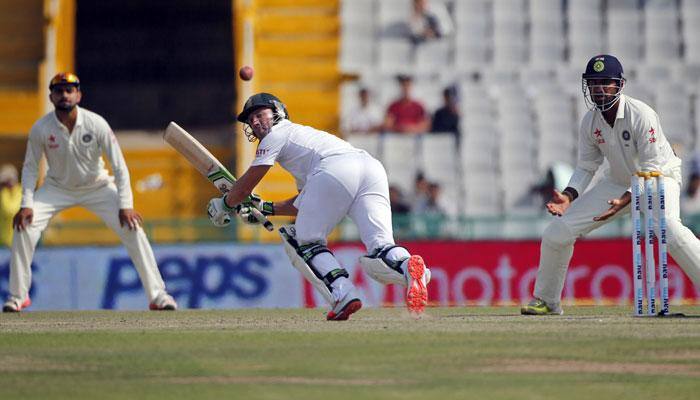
417, 293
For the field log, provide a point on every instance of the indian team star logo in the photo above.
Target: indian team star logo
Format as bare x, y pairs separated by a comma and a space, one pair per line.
52, 142
598, 136
598, 66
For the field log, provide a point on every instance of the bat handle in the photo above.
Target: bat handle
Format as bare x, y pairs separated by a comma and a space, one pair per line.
262, 219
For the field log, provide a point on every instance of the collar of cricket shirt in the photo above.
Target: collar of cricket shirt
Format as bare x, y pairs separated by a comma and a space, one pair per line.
80, 118
621, 108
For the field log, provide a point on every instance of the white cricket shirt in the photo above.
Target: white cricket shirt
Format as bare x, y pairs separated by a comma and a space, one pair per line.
299, 149
75, 159
636, 142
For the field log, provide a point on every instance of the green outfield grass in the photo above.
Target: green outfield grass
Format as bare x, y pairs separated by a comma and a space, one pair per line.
452, 353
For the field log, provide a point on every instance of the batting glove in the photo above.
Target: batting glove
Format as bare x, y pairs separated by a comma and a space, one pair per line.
219, 213
245, 209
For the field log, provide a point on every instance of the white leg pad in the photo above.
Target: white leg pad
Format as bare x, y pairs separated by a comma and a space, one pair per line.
378, 270
290, 247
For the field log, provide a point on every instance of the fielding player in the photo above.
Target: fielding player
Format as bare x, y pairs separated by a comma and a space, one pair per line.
334, 179
627, 133
73, 139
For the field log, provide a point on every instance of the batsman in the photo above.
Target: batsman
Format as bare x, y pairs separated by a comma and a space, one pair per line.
334, 179
627, 133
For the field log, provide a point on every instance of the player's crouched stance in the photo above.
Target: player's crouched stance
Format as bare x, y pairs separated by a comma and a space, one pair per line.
628, 134
73, 139
334, 180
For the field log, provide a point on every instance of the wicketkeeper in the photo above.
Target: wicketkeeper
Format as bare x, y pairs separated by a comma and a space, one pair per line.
334, 179
628, 134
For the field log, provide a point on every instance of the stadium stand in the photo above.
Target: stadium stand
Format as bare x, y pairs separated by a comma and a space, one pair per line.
518, 66
516, 63
21, 52
439, 158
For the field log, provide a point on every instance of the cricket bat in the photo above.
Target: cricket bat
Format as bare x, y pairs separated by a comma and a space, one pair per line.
205, 162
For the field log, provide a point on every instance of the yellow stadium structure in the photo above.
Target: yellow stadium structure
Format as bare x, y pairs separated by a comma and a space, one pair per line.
293, 46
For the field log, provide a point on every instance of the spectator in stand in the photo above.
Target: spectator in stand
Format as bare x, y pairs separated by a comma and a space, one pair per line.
10, 199
432, 206
366, 118
446, 118
427, 214
429, 21
399, 205
421, 192
426, 198
400, 211
405, 114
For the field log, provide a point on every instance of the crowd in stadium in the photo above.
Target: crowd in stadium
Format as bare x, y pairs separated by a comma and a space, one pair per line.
490, 73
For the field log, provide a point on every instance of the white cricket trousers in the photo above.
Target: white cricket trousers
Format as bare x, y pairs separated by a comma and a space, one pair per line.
353, 184
49, 200
558, 238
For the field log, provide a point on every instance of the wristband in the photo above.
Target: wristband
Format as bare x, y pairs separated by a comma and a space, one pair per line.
267, 208
571, 193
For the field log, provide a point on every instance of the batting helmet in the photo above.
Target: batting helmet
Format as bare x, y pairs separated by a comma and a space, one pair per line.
604, 67
261, 100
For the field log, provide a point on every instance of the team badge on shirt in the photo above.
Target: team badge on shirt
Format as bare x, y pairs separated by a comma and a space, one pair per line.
598, 136
87, 138
626, 136
52, 142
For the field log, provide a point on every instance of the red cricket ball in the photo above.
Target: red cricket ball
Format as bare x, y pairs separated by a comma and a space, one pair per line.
246, 72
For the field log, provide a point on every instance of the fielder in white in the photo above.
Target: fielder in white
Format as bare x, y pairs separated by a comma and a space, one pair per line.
73, 139
334, 179
628, 134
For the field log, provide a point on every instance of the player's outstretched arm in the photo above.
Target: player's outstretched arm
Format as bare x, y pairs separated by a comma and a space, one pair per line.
615, 206
219, 209
244, 186
286, 207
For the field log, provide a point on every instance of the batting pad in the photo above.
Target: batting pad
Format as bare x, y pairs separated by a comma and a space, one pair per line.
287, 233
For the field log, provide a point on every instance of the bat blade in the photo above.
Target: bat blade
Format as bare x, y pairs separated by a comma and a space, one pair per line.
205, 162
191, 149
